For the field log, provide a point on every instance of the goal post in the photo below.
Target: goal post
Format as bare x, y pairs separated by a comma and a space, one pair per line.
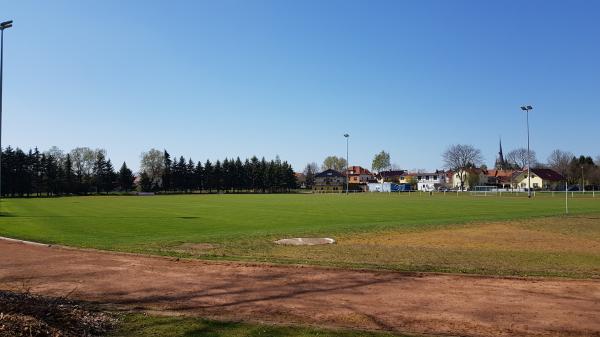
484, 191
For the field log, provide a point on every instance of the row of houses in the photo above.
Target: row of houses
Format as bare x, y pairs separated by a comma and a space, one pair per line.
360, 179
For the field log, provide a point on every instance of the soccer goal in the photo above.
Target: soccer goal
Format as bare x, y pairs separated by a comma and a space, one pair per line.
484, 191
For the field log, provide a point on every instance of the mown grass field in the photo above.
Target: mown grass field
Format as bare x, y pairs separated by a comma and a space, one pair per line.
449, 233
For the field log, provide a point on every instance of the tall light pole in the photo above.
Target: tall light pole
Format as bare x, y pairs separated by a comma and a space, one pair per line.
526, 108
347, 136
582, 181
3, 26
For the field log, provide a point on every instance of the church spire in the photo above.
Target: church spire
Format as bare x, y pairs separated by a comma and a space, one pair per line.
500, 163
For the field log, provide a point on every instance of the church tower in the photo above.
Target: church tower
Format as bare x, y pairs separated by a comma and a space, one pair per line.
500, 162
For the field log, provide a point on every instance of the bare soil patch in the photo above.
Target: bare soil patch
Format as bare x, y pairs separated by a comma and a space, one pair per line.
194, 248
305, 241
400, 302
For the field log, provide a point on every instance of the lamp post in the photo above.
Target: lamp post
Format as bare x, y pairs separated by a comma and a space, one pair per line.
582, 181
347, 136
3, 26
526, 108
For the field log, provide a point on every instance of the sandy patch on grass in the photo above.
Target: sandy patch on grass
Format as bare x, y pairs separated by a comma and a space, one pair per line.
194, 247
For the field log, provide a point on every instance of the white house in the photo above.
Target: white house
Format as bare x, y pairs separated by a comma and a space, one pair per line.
430, 181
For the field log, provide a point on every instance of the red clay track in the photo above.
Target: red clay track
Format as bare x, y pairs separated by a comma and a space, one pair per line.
429, 303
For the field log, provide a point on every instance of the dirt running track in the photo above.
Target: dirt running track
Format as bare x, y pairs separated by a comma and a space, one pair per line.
430, 303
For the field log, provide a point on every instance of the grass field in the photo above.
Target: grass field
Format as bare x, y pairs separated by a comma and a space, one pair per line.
487, 235
138, 325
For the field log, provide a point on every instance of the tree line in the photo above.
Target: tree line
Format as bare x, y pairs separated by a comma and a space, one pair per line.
161, 173
88, 171
81, 171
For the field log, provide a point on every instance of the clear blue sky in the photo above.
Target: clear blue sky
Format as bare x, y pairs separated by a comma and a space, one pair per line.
229, 78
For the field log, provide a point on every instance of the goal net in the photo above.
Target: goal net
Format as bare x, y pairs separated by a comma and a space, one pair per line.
484, 191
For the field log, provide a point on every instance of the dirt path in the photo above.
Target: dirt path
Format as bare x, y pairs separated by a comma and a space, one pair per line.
436, 304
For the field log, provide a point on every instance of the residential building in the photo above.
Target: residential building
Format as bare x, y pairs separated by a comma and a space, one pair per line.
359, 175
474, 176
392, 176
541, 179
425, 181
409, 179
431, 181
329, 181
500, 178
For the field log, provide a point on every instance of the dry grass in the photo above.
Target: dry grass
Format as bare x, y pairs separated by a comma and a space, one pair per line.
554, 246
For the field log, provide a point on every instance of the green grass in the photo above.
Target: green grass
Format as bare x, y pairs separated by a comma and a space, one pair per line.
139, 325
242, 227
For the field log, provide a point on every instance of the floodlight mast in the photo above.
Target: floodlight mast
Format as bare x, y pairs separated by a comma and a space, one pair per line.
3, 26
582, 180
347, 136
526, 108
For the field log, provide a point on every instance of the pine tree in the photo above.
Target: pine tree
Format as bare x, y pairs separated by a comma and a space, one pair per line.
50, 174
239, 174
217, 176
37, 172
69, 176
126, 178
167, 178
189, 176
108, 177
99, 171
145, 182
199, 177
208, 179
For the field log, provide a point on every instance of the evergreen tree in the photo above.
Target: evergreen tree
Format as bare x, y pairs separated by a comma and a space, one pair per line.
246, 175
240, 176
100, 168
69, 175
167, 178
126, 178
109, 177
226, 175
208, 179
37, 172
53, 173
145, 182
217, 176
50, 174
190, 176
199, 177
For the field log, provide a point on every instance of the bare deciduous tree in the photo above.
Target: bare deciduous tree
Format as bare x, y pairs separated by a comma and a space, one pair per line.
152, 163
57, 154
83, 159
519, 158
459, 158
559, 161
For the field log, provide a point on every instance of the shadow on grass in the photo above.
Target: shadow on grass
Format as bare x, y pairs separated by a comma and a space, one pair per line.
138, 325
